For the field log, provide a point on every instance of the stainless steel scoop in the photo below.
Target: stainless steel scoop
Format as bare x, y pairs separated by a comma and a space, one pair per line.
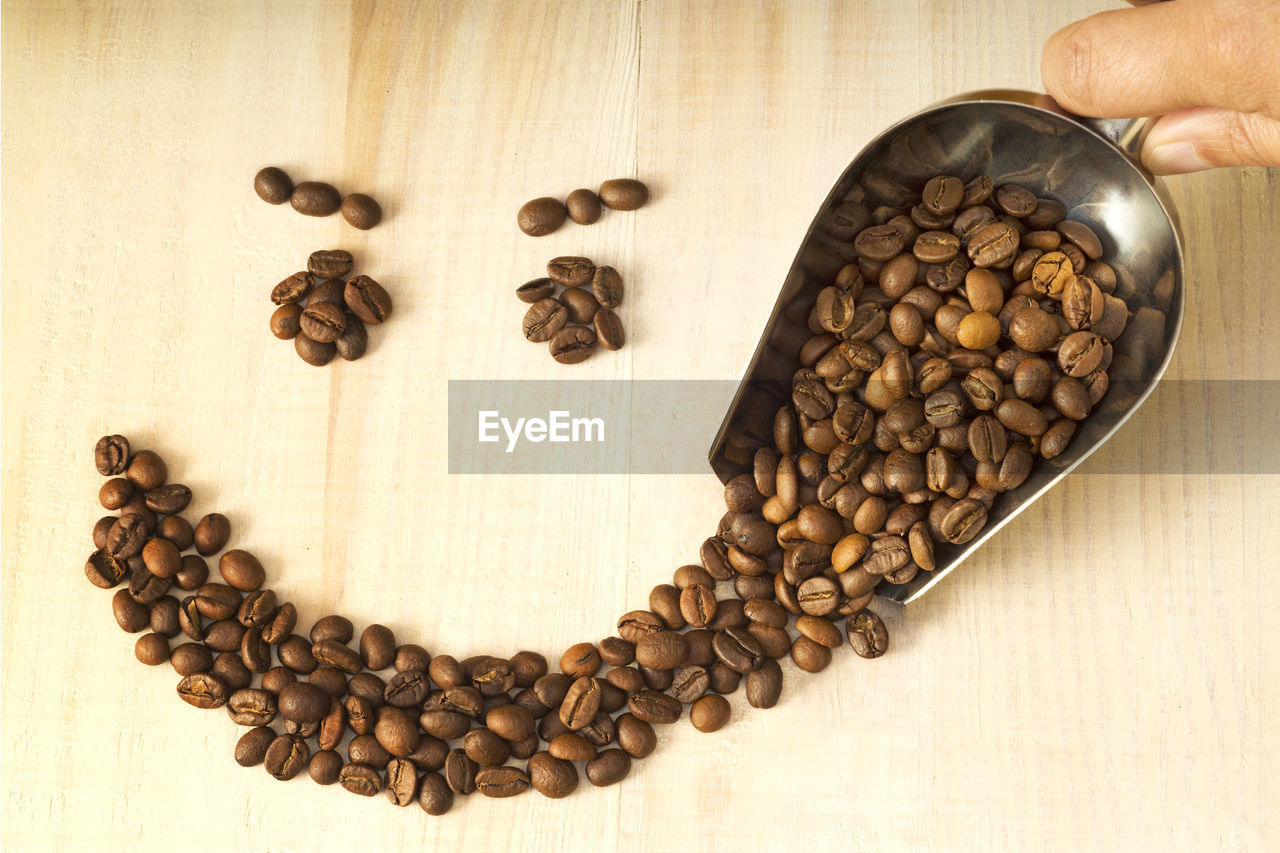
1091, 166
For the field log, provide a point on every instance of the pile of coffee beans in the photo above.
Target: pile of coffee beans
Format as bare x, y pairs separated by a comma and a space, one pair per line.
541, 216
426, 728
323, 313
967, 341
315, 198
571, 309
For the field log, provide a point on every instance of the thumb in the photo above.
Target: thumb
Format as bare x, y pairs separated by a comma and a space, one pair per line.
1191, 140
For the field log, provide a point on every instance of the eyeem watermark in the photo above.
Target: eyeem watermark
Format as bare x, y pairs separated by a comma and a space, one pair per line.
558, 427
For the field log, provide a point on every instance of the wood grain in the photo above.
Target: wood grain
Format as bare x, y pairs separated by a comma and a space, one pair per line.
1097, 678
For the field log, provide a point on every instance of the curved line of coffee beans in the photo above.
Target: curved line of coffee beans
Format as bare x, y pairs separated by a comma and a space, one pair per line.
402, 726
951, 391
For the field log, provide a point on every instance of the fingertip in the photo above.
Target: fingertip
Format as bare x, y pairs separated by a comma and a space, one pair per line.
1068, 67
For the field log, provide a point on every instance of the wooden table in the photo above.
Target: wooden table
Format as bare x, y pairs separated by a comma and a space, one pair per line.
1099, 677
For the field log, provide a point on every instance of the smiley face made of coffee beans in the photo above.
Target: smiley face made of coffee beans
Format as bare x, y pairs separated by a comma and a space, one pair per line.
963, 341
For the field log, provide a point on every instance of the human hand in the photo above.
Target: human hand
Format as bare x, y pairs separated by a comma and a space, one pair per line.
1208, 68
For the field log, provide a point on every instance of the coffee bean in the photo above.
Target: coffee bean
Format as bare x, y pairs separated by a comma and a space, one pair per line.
552, 776
1079, 354
764, 685
635, 736
151, 649
580, 304
608, 768
325, 767
510, 722
492, 676
434, 795
272, 186
115, 493
623, 194
535, 290
203, 690
313, 198
303, 703
485, 748
131, 616
212, 533
396, 731
361, 779
367, 299
411, 656
281, 625
993, 245
224, 635
580, 704
460, 772
322, 322
544, 319
361, 211
332, 627
127, 537
541, 216
501, 782
292, 290
584, 207
963, 521
313, 352
578, 660
690, 684
607, 287
573, 344
737, 649
710, 713
867, 634
817, 596
662, 650
571, 271
377, 647
879, 243
401, 782
252, 746
335, 654
251, 707
330, 263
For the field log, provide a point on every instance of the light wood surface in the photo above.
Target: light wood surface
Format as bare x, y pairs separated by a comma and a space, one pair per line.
1099, 677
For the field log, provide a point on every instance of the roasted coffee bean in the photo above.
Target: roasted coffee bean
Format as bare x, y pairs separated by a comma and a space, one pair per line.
396, 731
1021, 417
1080, 354
493, 676
362, 779
111, 455
367, 299
535, 290
553, 776
879, 243
325, 767
608, 768
177, 530
501, 781
127, 537
313, 198
412, 656
335, 654
313, 352
580, 704
1082, 236
191, 658
361, 715
764, 685
252, 746
690, 684
217, 601
623, 194
662, 650
203, 690
322, 322
254, 651
578, 660
365, 749
460, 772
161, 558
434, 794
817, 597
361, 211
257, 609
377, 647
332, 627
401, 781
303, 702
131, 616
541, 216
608, 328
698, 605
573, 344
251, 707
664, 600
963, 521
146, 587
993, 245
571, 271
104, 570
164, 617
295, 652
101, 529
430, 754
551, 689
146, 471
368, 686
485, 748
287, 755
115, 493
722, 678
330, 263
544, 319
809, 655
281, 625
636, 737
224, 635
580, 304
737, 649
943, 194
867, 634
291, 291
212, 533
241, 570
510, 722
583, 206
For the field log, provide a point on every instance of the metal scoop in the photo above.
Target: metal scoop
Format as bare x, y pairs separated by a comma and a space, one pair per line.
1091, 166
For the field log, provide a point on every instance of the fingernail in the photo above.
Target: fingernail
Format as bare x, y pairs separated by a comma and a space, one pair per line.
1176, 158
